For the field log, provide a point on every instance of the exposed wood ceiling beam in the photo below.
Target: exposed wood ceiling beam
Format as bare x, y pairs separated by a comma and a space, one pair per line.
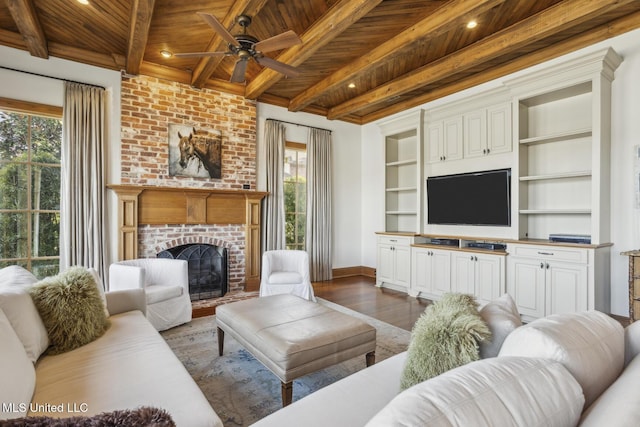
207, 65
141, 13
330, 25
447, 16
604, 32
511, 39
26, 18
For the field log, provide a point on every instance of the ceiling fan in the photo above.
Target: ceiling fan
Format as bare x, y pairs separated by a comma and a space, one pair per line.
246, 47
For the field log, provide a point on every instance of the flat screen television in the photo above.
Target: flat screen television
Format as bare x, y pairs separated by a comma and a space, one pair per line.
475, 198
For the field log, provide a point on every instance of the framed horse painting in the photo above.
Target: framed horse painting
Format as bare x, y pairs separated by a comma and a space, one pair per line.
195, 152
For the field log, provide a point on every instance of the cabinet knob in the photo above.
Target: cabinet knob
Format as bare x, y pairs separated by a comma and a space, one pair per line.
471, 257
484, 151
475, 258
444, 157
547, 265
488, 150
542, 265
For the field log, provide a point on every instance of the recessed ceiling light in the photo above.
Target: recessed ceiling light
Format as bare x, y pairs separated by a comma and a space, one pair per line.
351, 86
85, 2
472, 24
166, 53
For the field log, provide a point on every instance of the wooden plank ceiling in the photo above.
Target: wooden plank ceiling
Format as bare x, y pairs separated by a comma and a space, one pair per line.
396, 54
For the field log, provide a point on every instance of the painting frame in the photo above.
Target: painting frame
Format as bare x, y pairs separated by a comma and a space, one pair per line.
194, 152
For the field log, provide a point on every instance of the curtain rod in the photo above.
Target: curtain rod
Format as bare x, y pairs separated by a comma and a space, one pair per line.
50, 77
298, 124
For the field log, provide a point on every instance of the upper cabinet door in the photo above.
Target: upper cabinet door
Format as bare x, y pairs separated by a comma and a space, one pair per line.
499, 128
435, 141
453, 138
475, 133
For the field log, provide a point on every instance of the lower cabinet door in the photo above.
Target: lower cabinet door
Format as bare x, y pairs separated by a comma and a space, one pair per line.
566, 288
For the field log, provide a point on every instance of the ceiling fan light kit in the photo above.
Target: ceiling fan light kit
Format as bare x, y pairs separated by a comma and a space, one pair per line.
245, 46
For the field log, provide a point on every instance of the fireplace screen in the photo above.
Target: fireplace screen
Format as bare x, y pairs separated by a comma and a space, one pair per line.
208, 276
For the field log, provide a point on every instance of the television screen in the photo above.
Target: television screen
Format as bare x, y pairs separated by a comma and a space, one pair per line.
475, 198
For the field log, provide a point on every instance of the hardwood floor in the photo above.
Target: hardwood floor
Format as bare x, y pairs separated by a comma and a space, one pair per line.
359, 293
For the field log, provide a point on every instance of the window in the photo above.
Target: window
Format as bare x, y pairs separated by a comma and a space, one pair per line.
30, 147
295, 194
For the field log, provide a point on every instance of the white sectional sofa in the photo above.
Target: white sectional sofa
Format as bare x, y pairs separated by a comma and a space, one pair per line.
563, 370
128, 367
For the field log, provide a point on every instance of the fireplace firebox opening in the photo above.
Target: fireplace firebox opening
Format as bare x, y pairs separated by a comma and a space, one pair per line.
208, 269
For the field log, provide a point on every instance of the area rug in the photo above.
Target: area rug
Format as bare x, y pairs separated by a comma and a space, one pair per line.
240, 389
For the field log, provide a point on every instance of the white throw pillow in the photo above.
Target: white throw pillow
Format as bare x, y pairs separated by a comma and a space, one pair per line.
589, 344
17, 374
515, 391
19, 308
502, 317
14, 275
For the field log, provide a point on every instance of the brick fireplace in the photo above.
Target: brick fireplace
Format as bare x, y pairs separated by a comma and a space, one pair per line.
156, 210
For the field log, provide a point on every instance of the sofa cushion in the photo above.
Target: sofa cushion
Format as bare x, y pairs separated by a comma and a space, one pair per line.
17, 374
491, 392
71, 309
619, 402
502, 317
445, 336
18, 306
589, 344
129, 366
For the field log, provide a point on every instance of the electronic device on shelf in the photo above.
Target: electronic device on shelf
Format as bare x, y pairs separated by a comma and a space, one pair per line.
570, 238
445, 242
489, 246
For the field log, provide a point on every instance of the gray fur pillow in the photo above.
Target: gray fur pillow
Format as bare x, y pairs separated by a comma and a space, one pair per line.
71, 309
444, 337
141, 417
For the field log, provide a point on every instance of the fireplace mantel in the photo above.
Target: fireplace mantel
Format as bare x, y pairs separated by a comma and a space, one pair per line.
142, 205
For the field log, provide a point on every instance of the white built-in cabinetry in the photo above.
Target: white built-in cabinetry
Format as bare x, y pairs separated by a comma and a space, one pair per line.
551, 127
552, 279
469, 128
394, 260
403, 140
563, 136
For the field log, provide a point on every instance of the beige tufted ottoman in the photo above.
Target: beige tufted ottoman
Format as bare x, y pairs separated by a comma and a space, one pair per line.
293, 337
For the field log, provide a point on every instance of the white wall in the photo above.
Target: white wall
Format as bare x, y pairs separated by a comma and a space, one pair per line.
347, 184
625, 134
43, 90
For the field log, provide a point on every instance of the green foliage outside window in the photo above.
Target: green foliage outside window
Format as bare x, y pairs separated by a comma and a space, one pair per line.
30, 192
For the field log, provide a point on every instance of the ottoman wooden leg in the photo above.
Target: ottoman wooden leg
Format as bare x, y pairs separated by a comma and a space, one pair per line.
287, 393
371, 358
220, 341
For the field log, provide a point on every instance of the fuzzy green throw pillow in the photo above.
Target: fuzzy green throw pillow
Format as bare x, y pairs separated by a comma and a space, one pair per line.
71, 309
446, 336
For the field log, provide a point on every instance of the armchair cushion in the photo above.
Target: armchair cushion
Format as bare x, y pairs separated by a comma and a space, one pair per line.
162, 293
284, 278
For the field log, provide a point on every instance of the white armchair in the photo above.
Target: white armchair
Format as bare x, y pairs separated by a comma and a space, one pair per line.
286, 272
166, 285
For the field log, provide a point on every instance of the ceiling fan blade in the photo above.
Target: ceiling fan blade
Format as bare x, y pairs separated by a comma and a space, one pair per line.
278, 66
219, 28
281, 41
194, 54
238, 71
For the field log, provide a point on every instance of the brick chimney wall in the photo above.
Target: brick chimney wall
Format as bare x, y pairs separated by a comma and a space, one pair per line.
148, 106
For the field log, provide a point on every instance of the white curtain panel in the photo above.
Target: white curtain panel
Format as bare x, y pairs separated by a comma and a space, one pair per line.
274, 238
83, 240
318, 234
